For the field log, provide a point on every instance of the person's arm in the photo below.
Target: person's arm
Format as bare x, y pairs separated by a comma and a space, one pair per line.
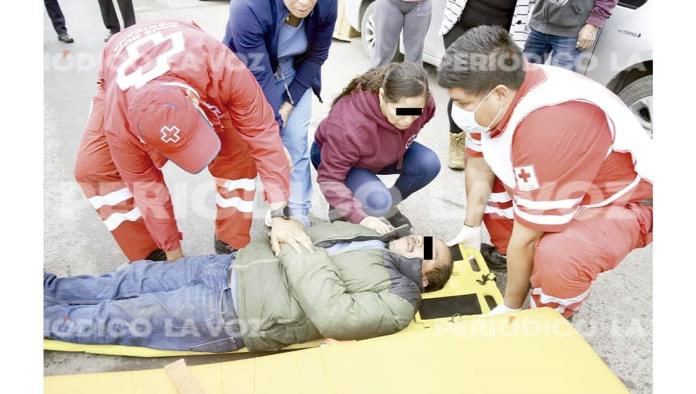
150, 194
246, 35
479, 183
601, 11
317, 53
520, 259
252, 117
336, 313
337, 159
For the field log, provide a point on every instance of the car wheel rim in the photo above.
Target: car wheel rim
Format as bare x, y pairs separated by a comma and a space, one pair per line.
370, 34
642, 109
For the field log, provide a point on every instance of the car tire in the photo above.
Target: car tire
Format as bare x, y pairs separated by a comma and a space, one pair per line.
368, 33
638, 96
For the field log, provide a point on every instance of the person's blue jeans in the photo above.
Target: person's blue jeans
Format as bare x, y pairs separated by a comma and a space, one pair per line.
185, 305
563, 50
294, 136
420, 166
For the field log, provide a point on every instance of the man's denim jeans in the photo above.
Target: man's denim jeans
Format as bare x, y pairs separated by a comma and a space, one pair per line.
186, 305
563, 50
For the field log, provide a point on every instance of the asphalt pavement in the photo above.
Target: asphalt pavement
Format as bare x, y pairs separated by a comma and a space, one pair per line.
616, 320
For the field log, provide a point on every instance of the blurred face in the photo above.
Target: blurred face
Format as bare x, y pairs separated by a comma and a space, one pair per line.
401, 122
412, 246
489, 106
300, 8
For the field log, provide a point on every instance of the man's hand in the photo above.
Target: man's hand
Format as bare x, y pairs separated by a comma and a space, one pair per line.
284, 111
174, 255
469, 236
290, 232
376, 224
587, 36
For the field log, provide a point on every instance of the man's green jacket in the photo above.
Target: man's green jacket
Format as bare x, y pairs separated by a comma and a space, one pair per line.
298, 297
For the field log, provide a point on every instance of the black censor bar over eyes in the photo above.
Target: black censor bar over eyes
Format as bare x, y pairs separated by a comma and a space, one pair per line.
405, 111
427, 248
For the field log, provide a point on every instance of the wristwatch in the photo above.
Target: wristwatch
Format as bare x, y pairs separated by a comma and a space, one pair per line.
284, 212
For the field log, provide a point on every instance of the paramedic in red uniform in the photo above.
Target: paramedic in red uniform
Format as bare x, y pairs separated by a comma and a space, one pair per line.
558, 170
168, 91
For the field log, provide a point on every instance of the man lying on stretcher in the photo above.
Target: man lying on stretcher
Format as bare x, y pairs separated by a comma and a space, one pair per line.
353, 285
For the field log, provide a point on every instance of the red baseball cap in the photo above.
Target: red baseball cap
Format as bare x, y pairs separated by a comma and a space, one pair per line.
162, 116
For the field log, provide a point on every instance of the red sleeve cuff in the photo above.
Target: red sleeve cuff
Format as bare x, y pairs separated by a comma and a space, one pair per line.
356, 217
595, 20
275, 195
171, 244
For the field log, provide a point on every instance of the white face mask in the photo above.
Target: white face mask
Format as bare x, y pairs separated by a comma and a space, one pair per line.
466, 120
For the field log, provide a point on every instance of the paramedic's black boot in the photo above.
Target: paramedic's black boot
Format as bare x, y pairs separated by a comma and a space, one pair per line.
222, 247
157, 255
496, 262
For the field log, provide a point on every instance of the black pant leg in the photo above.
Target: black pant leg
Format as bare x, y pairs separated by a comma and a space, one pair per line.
109, 15
454, 129
56, 15
127, 12
456, 32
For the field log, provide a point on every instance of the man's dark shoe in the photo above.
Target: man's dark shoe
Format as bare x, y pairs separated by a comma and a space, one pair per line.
65, 38
397, 219
221, 247
496, 262
157, 255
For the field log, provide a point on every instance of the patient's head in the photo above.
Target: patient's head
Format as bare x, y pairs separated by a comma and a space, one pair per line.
435, 272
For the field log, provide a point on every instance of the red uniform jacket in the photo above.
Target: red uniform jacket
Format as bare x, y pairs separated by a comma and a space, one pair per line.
180, 51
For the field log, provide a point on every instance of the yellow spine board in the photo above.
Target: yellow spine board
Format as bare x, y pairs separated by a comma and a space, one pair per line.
532, 351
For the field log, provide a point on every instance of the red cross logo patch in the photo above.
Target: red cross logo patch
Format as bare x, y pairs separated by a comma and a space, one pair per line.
526, 178
170, 134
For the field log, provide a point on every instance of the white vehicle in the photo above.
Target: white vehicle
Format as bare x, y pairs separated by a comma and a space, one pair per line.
621, 58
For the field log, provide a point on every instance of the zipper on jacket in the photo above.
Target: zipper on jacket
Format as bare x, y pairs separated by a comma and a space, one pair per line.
403, 152
285, 83
280, 68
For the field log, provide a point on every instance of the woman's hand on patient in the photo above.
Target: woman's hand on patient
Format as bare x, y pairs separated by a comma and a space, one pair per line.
376, 224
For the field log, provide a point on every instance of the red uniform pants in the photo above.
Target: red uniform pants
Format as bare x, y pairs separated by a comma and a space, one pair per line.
96, 173
566, 263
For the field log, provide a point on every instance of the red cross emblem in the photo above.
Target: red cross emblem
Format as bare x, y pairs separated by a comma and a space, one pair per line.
526, 178
523, 175
170, 134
